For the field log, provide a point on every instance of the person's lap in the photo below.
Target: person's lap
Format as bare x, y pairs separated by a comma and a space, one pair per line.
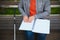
30, 36
41, 36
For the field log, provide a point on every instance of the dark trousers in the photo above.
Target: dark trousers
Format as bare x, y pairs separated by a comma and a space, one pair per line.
30, 36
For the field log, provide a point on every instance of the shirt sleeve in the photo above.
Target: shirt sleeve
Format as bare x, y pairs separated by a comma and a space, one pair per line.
46, 11
20, 7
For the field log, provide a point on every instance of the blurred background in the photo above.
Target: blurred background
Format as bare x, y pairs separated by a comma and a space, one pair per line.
9, 8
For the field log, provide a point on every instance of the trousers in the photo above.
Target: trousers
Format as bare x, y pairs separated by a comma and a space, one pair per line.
30, 36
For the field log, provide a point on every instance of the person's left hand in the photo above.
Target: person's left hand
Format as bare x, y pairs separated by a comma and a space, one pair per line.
31, 18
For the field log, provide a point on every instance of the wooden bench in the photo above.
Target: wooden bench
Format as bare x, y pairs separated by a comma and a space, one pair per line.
6, 22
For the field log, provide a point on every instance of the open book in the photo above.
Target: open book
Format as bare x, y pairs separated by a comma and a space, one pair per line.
37, 26
26, 26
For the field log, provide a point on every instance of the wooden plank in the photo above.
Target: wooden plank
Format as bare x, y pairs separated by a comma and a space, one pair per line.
6, 22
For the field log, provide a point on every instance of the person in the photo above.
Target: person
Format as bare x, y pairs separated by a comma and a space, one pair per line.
31, 9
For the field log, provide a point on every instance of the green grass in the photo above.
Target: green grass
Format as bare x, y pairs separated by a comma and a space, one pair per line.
11, 11
55, 10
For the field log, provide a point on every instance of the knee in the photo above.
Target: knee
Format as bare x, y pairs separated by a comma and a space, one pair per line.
29, 33
42, 36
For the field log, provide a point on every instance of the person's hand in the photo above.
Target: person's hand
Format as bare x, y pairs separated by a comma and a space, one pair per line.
31, 18
25, 18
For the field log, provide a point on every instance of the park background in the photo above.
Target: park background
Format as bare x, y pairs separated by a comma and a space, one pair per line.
9, 8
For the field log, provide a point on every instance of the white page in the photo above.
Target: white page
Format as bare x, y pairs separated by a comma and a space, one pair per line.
26, 26
42, 26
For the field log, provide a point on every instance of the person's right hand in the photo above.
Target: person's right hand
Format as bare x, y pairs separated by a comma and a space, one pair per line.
25, 18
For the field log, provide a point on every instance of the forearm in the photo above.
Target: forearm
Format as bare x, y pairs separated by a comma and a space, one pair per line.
42, 15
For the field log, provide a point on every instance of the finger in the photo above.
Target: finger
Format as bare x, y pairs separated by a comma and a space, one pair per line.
30, 20
25, 20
